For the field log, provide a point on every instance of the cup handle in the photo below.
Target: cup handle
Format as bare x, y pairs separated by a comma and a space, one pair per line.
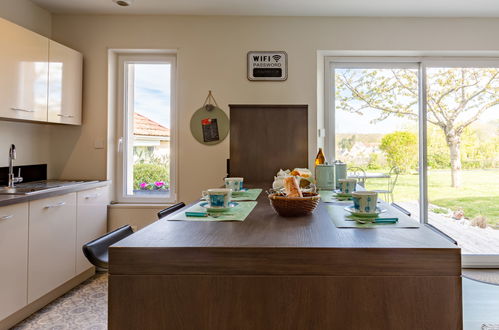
204, 195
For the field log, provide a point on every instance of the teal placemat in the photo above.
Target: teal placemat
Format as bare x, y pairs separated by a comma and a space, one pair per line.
249, 195
342, 219
238, 213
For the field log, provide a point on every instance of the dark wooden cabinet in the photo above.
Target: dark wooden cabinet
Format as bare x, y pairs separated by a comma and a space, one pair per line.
266, 138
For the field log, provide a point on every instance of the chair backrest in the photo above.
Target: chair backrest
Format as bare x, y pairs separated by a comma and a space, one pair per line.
359, 174
392, 181
96, 250
170, 210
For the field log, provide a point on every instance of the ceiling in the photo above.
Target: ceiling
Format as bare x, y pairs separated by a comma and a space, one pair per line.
384, 8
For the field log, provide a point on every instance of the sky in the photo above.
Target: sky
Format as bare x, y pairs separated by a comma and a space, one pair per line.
152, 92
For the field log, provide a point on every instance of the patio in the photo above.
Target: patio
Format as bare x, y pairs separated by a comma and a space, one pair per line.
472, 240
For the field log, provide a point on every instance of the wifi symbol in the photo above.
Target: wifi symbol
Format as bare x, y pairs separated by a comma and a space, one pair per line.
277, 57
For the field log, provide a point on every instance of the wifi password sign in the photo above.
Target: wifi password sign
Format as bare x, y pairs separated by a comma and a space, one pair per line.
267, 65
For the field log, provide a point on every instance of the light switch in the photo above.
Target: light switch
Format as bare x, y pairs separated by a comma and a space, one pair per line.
99, 144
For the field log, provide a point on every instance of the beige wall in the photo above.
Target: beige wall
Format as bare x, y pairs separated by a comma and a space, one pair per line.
32, 140
212, 55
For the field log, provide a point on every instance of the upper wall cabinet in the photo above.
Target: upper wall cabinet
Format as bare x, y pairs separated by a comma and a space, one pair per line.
23, 73
65, 84
40, 79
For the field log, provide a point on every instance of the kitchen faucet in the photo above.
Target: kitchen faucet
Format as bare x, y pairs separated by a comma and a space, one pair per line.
12, 178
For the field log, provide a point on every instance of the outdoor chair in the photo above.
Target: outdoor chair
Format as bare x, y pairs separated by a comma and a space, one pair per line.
392, 181
359, 174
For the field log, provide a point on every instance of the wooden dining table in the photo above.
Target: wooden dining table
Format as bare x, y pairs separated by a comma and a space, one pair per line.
271, 272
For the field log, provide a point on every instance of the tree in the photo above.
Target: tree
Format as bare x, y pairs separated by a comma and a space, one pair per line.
401, 149
456, 98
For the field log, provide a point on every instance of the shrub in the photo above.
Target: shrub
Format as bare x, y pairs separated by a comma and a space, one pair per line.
150, 174
401, 148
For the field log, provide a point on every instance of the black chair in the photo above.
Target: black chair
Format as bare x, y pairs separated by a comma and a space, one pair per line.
96, 251
170, 210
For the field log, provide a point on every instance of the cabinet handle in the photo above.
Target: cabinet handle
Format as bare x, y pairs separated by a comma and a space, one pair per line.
92, 196
6, 217
24, 110
55, 205
65, 116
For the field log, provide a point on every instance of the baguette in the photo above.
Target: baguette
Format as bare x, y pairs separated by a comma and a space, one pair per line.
291, 187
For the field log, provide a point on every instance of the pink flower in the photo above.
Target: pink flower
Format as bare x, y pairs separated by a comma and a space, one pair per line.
159, 184
143, 185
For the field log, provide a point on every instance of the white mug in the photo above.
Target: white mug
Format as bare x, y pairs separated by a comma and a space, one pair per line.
236, 184
218, 198
365, 201
347, 186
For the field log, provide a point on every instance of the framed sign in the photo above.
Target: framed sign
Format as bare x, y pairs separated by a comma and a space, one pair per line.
268, 66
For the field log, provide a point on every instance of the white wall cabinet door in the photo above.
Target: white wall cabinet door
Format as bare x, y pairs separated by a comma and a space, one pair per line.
13, 258
65, 84
52, 235
24, 73
91, 221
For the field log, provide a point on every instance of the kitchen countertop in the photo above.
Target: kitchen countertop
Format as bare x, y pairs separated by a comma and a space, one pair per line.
66, 188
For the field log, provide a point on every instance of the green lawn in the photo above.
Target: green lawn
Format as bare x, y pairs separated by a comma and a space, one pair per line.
479, 194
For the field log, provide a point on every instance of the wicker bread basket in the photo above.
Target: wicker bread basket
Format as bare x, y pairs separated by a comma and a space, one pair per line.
294, 206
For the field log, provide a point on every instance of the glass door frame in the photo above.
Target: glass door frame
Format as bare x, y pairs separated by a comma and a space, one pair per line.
420, 63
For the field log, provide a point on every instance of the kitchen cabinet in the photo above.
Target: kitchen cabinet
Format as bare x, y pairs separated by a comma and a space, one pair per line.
65, 84
24, 68
52, 235
91, 221
13, 258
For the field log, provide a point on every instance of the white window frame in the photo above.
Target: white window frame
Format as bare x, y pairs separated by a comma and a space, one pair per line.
421, 63
124, 149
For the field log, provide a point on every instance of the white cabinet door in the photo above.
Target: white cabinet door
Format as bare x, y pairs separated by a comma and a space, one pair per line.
13, 258
24, 73
52, 235
91, 221
65, 84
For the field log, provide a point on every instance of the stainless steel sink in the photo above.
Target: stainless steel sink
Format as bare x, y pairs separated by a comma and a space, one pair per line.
20, 190
38, 187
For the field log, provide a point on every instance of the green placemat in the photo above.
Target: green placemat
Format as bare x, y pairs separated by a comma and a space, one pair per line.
238, 213
328, 196
341, 218
249, 195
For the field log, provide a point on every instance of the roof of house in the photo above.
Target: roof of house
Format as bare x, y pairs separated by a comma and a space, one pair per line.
146, 127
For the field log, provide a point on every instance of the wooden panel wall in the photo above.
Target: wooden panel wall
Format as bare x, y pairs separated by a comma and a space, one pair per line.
266, 138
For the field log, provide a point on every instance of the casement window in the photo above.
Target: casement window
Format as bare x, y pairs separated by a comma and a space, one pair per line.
146, 153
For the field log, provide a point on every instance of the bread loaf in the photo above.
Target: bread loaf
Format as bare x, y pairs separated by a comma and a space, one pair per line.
291, 187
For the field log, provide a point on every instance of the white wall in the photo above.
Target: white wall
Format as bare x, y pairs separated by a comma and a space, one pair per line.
32, 140
212, 55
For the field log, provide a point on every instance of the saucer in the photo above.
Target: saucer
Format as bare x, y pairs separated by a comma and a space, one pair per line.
356, 213
242, 191
218, 209
338, 193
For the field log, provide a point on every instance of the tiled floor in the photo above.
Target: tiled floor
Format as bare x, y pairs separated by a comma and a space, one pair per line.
83, 308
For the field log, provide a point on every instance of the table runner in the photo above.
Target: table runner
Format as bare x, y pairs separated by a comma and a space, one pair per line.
249, 195
238, 213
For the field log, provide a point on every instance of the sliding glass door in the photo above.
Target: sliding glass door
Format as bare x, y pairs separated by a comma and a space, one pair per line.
376, 128
426, 132
463, 153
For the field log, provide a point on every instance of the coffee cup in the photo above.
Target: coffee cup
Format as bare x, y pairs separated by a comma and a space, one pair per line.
236, 184
365, 201
218, 198
347, 186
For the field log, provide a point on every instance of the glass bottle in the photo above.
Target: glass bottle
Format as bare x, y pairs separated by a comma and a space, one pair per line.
320, 159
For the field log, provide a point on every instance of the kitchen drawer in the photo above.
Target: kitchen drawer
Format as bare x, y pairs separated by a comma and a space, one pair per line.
91, 221
13, 258
52, 235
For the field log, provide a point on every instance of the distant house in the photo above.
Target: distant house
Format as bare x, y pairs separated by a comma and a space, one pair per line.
150, 137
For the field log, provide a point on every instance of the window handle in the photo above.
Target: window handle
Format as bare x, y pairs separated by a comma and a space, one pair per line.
120, 144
